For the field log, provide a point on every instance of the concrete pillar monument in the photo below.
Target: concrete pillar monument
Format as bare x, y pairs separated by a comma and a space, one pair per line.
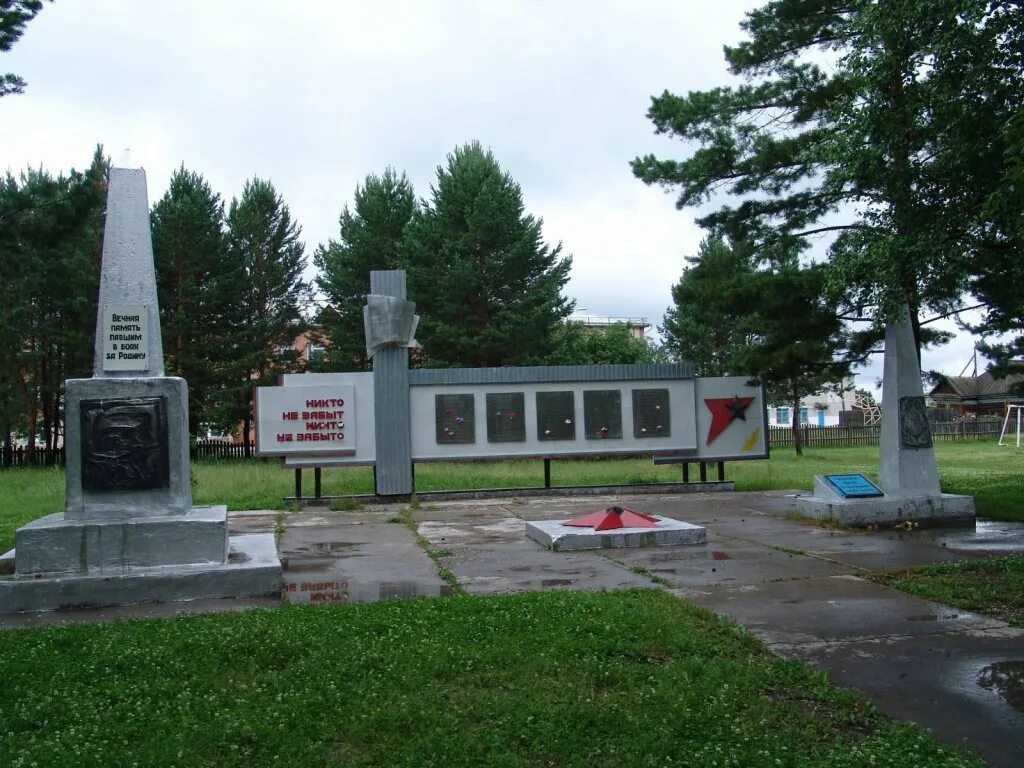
129, 531
908, 488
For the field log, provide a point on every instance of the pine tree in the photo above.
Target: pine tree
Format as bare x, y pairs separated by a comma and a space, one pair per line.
264, 245
836, 132
706, 324
197, 284
778, 324
486, 285
369, 239
50, 245
982, 67
797, 344
14, 15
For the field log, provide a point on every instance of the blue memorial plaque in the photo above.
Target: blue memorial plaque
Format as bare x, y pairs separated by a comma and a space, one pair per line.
854, 486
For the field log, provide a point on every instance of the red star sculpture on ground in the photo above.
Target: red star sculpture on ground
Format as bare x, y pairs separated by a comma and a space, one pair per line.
614, 517
724, 411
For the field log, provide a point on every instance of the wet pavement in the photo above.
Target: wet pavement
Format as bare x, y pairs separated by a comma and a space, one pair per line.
797, 587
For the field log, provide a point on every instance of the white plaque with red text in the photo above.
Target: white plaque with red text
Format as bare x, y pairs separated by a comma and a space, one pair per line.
318, 420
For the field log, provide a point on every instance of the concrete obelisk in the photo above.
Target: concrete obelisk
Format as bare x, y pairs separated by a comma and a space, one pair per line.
906, 457
908, 476
129, 531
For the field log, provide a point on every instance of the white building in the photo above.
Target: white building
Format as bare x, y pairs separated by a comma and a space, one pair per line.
818, 410
637, 325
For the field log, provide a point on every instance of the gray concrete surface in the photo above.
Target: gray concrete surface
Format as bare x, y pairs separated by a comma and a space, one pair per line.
797, 587
250, 569
54, 544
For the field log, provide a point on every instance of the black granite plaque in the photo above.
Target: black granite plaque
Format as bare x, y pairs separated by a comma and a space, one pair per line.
914, 429
454, 419
125, 445
556, 416
650, 413
602, 414
505, 422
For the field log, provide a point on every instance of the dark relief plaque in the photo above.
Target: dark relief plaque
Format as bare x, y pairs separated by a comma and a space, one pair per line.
454, 419
602, 414
125, 445
505, 422
914, 429
556, 416
650, 413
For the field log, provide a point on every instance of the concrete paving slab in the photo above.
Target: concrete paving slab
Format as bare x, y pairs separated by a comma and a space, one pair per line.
486, 531
834, 608
725, 561
524, 565
335, 557
452, 511
860, 550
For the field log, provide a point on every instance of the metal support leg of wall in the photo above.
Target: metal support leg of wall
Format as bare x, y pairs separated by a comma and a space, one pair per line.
547, 473
686, 472
298, 483
703, 471
316, 483
721, 471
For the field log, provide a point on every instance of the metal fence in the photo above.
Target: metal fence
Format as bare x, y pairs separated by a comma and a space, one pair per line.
20, 456
824, 437
220, 449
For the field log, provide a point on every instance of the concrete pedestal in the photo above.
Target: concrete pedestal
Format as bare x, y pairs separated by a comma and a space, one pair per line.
55, 545
562, 538
885, 510
252, 568
943, 509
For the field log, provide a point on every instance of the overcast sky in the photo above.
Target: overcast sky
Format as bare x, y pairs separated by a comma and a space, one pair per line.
315, 95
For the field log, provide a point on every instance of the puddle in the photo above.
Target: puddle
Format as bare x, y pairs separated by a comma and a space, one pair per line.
1005, 678
305, 564
555, 582
324, 547
987, 537
338, 589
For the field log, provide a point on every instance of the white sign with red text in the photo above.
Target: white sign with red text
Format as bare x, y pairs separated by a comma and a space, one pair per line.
306, 420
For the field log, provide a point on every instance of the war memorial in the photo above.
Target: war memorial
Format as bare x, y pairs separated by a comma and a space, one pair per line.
129, 531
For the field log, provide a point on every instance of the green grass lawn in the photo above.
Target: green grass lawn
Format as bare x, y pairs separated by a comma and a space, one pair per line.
993, 474
994, 586
543, 679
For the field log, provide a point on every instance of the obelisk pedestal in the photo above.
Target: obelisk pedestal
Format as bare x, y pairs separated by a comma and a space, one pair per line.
908, 477
129, 532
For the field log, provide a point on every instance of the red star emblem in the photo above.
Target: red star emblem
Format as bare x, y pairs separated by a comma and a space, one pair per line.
724, 411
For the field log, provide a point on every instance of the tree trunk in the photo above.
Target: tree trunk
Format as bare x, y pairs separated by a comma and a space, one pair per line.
246, 429
797, 436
